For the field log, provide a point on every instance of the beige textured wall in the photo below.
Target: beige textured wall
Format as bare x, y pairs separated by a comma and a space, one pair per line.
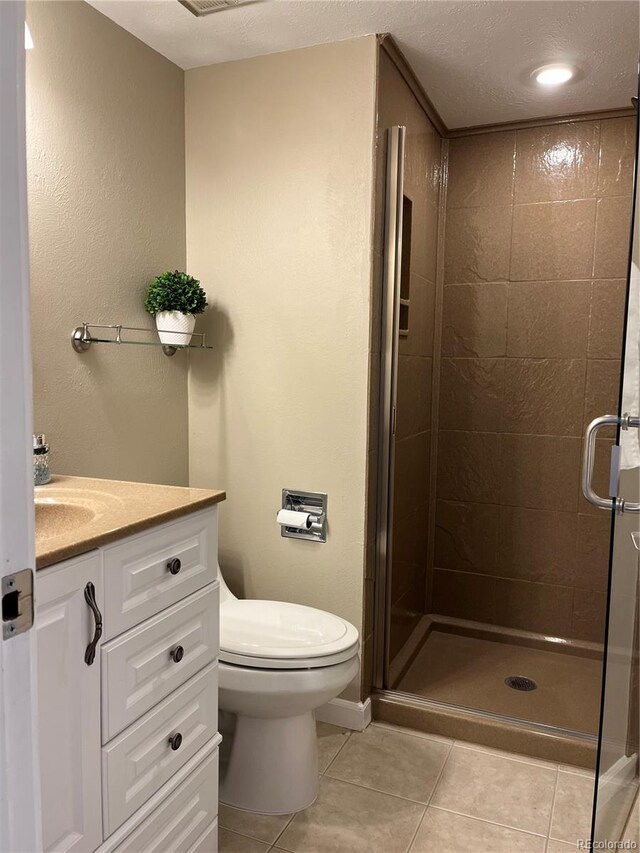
537, 233
105, 139
279, 228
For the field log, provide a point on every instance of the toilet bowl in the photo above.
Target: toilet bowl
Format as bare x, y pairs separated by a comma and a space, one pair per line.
279, 662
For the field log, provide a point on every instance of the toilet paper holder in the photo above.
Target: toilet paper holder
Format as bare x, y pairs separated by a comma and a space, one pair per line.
314, 503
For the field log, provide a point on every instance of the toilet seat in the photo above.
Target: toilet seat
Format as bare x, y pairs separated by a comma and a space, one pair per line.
280, 635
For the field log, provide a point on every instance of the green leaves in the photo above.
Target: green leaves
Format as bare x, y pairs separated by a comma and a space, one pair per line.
175, 291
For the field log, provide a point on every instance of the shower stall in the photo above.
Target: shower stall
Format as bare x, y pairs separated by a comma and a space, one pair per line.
506, 320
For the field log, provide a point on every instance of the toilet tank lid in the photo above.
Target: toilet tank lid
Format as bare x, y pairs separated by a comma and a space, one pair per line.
279, 629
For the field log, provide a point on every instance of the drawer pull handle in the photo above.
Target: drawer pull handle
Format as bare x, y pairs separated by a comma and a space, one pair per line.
90, 598
176, 654
175, 741
174, 565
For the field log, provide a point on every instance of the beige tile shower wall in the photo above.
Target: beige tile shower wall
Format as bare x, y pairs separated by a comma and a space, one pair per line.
537, 236
105, 146
279, 224
397, 105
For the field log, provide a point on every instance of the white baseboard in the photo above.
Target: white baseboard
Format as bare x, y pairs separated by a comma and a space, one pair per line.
348, 715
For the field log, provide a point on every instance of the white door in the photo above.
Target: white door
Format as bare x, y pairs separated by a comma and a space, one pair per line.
69, 697
19, 787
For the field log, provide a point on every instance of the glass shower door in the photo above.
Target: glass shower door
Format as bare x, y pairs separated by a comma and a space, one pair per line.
615, 816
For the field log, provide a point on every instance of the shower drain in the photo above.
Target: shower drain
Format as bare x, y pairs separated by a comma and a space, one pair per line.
520, 682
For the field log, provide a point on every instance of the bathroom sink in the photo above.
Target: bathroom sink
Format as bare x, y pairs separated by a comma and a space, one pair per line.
54, 518
62, 512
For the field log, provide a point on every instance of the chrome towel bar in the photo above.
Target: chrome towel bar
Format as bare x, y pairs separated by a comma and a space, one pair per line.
82, 338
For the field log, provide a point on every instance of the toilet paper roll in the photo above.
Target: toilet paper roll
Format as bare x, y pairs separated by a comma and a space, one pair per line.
293, 518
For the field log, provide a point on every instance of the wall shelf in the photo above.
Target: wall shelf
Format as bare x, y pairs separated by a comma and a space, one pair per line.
82, 338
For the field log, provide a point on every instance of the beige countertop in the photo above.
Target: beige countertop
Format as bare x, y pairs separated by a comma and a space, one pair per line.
78, 514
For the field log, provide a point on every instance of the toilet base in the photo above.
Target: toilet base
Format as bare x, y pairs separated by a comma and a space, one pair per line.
271, 764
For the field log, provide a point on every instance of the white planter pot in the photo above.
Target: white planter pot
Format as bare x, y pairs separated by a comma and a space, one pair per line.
168, 323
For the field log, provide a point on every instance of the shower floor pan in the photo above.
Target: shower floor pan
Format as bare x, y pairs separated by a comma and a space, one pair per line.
471, 672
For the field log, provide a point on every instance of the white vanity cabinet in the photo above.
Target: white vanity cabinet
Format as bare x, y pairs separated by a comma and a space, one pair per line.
69, 707
129, 743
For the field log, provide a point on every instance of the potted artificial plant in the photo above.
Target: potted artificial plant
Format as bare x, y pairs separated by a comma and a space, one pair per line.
174, 298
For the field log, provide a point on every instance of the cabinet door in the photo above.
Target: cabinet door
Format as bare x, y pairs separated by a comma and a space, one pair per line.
69, 706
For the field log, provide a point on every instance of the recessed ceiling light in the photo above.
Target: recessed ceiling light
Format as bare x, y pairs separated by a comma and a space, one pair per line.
553, 75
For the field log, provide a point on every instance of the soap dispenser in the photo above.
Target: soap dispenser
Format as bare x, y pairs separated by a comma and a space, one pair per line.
41, 472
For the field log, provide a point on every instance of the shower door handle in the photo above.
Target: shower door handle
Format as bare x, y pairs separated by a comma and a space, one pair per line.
588, 459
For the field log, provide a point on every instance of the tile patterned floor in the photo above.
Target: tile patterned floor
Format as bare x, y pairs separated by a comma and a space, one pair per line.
397, 791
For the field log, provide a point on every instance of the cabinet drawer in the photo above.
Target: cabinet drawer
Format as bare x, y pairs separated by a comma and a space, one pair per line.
185, 822
137, 580
138, 669
141, 759
208, 843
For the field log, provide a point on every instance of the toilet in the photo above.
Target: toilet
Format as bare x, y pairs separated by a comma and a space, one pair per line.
279, 662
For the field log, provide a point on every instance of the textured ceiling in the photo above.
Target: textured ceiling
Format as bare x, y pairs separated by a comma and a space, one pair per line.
473, 58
